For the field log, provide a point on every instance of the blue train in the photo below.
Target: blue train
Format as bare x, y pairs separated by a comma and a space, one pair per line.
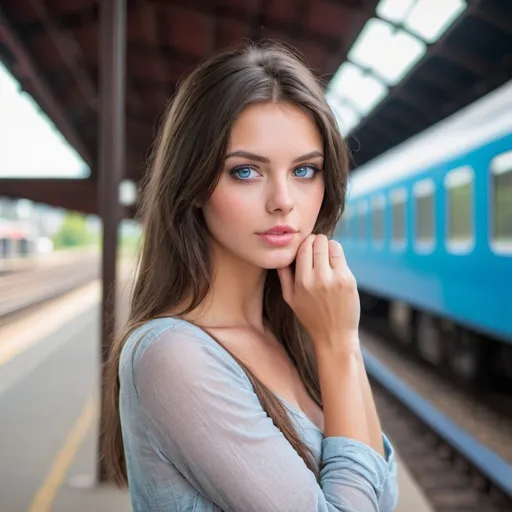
427, 231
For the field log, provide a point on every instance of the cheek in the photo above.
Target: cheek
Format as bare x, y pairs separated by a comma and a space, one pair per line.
227, 206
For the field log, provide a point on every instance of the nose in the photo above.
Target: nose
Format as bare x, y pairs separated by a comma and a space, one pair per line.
280, 197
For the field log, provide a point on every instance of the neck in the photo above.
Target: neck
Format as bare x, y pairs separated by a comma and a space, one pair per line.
235, 298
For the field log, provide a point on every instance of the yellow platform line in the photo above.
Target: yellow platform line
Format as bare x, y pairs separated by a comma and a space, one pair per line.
47, 492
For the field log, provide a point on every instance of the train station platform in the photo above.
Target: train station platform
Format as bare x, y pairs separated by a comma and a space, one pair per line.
49, 374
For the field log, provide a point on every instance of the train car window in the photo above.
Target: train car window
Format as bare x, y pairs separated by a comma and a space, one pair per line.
378, 220
361, 220
501, 167
459, 207
398, 199
425, 208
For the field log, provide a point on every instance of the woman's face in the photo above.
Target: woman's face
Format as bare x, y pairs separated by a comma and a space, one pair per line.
272, 182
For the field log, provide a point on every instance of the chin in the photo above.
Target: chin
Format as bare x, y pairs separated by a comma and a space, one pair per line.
277, 260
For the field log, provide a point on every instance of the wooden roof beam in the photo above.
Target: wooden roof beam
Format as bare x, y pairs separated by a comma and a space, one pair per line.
72, 194
416, 103
68, 49
437, 81
81, 17
26, 70
362, 149
329, 43
460, 57
384, 131
500, 19
152, 29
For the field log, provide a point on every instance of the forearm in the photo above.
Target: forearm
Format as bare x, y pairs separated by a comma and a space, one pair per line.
372, 416
342, 395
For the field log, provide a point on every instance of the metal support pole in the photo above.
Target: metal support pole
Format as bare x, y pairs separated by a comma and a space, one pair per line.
112, 80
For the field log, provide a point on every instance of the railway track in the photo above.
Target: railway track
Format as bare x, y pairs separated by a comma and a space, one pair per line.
24, 290
457, 470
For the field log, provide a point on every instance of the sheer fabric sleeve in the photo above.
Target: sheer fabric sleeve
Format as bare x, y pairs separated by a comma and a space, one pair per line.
205, 419
389, 497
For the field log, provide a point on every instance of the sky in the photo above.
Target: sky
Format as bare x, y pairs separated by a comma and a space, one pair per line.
30, 145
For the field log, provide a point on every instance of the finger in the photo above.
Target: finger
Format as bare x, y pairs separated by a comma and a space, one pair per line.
304, 260
321, 256
286, 279
336, 255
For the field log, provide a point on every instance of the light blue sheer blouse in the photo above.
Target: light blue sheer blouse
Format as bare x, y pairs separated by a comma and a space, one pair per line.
197, 439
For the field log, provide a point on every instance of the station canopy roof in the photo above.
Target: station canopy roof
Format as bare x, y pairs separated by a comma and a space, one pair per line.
392, 67
416, 62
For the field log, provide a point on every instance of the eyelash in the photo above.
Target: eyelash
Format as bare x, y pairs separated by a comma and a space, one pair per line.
233, 172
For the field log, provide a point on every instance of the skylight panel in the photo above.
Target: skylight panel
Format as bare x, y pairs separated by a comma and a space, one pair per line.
366, 92
360, 90
343, 76
346, 116
348, 78
394, 10
403, 52
430, 18
388, 52
369, 47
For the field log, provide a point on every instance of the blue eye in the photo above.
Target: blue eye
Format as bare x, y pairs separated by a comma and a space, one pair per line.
243, 173
305, 171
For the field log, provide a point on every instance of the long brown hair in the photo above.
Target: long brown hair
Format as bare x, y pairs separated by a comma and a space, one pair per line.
174, 261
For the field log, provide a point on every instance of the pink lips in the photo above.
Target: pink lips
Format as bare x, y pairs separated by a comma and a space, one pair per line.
278, 236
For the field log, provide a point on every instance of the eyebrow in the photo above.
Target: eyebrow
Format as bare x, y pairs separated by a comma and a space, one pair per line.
259, 158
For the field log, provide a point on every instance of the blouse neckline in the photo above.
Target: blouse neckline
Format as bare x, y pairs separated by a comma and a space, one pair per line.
295, 410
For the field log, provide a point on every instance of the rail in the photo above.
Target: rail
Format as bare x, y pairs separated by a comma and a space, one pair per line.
26, 289
489, 464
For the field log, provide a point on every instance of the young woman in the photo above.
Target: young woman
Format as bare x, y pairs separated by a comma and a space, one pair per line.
239, 384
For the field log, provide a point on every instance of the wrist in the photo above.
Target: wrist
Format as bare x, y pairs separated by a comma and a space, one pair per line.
340, 345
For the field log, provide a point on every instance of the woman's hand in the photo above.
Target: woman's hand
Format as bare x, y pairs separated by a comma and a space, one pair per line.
323, 294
